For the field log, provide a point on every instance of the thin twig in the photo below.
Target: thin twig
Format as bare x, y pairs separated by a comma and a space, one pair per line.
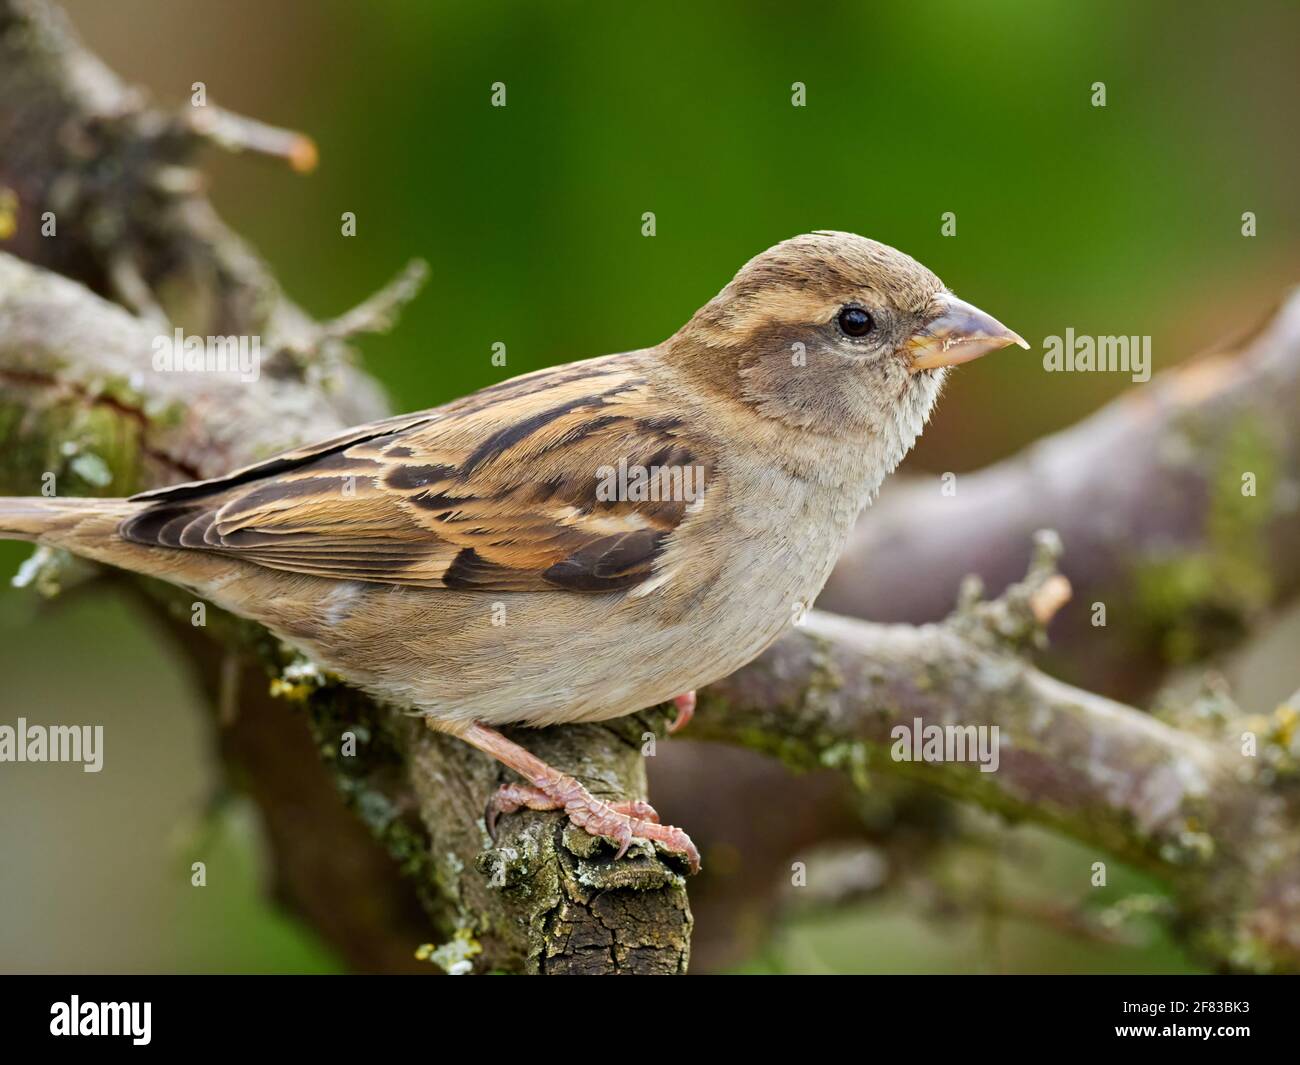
237, 133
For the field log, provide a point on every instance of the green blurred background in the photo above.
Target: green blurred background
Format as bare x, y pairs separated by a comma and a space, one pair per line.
1117, 220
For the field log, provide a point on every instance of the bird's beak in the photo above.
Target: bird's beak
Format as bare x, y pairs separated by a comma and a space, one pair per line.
958, 333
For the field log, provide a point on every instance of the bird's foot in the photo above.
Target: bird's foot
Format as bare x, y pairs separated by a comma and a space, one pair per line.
512, 797
685, 711
549, 789
621, 822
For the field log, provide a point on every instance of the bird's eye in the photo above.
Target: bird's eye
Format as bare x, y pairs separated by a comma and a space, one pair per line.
855, 322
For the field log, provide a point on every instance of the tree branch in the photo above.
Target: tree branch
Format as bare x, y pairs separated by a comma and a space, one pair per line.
1222, 827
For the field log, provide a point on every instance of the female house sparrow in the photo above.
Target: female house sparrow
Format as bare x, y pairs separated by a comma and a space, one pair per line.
581, 542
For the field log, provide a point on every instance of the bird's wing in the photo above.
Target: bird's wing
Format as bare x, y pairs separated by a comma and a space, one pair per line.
515, 488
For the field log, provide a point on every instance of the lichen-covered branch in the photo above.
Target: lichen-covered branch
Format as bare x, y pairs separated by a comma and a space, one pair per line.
1218, 816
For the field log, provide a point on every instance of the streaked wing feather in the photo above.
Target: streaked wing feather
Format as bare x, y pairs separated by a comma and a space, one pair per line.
497, 491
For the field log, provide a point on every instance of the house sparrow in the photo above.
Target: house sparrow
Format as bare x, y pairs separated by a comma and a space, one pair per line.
581, 542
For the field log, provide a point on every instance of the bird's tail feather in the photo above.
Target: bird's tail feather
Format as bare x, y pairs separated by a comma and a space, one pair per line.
89, 528
84, 526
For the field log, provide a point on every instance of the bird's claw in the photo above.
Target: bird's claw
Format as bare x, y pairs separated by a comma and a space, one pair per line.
621, 822
511, 797
685, 711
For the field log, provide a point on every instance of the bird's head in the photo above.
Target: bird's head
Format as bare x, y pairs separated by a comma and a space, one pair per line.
835, 333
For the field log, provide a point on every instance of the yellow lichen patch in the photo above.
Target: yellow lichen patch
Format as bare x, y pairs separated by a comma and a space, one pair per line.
1285, 718
454, 955
8, 213
284, 689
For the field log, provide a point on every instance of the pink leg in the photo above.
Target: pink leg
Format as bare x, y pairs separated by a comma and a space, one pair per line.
685, 711
552, 790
